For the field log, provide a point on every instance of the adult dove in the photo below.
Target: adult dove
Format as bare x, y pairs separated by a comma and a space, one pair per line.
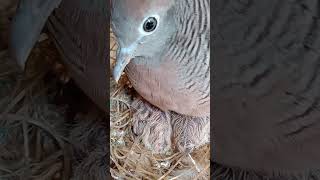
266, 90
164, 49
80, 32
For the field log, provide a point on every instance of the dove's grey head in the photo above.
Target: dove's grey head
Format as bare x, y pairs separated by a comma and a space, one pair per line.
143, 28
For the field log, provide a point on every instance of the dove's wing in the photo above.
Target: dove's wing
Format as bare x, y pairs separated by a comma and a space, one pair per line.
80, 31
30, 17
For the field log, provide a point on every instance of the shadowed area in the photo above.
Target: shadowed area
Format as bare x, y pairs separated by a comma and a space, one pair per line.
267, 56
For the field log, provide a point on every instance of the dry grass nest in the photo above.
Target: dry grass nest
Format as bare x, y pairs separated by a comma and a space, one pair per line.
37, 141
129, 157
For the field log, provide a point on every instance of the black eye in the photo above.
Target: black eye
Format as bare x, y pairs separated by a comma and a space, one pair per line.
150, 24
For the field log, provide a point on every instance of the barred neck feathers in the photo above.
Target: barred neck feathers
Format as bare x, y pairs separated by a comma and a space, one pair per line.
189, 47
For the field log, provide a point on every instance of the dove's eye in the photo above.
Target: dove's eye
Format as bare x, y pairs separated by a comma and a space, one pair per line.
150, 24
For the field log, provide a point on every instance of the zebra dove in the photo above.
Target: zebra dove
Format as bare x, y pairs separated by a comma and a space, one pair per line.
80, 32
164, 49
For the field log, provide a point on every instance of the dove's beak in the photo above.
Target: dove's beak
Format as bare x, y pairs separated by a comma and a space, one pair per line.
123, 60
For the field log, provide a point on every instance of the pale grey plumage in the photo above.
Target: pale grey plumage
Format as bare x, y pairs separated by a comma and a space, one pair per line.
27, 25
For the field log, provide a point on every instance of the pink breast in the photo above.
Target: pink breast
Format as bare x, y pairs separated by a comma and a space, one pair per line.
160, 87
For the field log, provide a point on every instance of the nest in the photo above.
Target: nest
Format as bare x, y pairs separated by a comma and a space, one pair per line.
33, 132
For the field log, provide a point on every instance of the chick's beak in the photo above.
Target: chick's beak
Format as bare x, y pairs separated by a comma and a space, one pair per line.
123, 60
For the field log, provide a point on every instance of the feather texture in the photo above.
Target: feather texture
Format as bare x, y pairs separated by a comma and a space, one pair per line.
267, 59
80, 31
169, 68
181, 82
